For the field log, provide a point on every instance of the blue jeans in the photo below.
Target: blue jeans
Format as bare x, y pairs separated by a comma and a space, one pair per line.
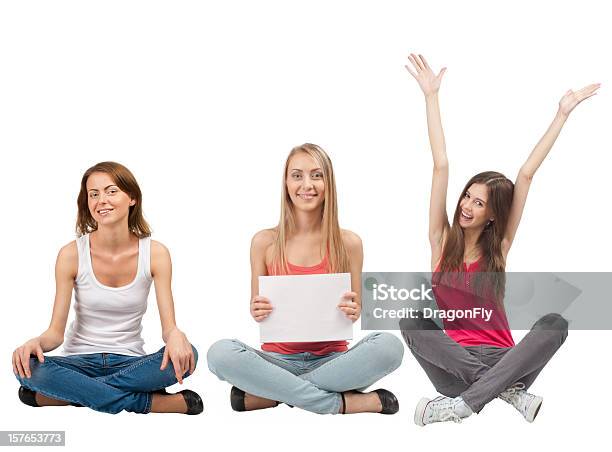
105, 382
308, 381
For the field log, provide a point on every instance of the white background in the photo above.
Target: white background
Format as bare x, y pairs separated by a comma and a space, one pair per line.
203, 100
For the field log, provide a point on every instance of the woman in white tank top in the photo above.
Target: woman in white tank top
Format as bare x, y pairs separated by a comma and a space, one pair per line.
110, 266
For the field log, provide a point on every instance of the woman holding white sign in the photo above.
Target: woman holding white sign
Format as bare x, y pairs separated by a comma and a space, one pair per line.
476, 360
321, 377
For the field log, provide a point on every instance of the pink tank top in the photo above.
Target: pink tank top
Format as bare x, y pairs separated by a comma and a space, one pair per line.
477, 331
316, 348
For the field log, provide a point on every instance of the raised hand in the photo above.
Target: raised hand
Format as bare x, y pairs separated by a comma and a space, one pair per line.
523, 181
572, 98
428, 81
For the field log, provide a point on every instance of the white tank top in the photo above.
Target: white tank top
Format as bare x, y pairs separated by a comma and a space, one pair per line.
108, 319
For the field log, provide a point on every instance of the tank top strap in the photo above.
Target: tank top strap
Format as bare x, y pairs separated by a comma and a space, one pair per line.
82, 243
144, 254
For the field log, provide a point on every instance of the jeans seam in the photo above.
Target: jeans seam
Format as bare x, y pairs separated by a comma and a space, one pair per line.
280, 360
71, 362
338, 403
363, 341
149, 403
132, 367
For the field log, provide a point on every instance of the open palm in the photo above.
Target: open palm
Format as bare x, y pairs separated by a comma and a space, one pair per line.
420, 70
572, 98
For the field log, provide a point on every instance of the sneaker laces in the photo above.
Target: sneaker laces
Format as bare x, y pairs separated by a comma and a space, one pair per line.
445, 414
518, 386
511, 394
448, 414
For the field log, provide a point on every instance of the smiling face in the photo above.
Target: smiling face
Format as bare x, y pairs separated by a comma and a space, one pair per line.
107, 203
474, 211
304, 182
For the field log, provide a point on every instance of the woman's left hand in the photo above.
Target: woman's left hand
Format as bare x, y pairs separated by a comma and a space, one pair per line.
179, 351
351, 309
572, 98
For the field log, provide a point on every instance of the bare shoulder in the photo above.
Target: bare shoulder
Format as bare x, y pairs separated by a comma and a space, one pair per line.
161, 264
69, 251
263, 239
68, 259
262, 246
351, 241
159, 251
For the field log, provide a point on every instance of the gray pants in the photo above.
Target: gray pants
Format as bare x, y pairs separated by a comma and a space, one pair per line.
480, 373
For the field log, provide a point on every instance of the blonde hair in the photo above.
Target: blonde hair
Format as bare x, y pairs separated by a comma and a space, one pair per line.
332, 237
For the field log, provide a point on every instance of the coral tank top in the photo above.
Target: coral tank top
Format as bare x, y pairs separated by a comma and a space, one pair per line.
316, 348
472, 331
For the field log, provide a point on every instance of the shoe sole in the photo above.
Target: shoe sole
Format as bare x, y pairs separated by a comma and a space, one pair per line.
534, 409
420, 411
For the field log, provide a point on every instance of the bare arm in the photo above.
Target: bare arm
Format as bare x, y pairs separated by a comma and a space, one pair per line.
430, 85
66, 267
537, 156
351, 301
178, 349
260, 307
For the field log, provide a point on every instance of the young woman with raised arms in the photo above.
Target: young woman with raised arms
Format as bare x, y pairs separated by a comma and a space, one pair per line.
474, 361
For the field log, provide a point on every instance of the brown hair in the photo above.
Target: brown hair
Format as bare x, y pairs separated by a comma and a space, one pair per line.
332, 236
500, 191
126, 182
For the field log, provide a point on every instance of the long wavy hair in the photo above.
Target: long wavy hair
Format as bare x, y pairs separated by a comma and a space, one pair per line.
332, 236
125, 180
492, 266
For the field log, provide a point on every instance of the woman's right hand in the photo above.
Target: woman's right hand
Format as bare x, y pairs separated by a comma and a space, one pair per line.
21, 357
260, 308
428, 81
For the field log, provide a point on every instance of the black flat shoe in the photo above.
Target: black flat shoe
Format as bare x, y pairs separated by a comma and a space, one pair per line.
237, 399
390, 404
27, 396
193, 401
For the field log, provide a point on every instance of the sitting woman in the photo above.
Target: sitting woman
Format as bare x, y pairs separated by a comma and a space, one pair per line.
476, 361
110, 266
321, 377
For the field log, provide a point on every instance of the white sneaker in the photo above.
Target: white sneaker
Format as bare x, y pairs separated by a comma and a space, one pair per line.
440, 409
527, 404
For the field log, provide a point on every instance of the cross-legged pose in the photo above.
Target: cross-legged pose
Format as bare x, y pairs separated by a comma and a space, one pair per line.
321, 377
472, 362
110, 266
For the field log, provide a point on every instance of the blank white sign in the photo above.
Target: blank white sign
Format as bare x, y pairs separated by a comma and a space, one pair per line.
305, 308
